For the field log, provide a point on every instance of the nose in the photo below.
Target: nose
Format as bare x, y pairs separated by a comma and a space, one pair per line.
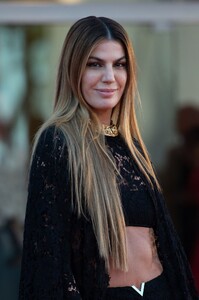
108, 75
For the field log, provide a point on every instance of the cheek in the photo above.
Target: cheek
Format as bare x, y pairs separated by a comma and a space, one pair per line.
87, 82
121, 77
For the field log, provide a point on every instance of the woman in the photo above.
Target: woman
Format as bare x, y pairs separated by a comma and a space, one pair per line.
96, 224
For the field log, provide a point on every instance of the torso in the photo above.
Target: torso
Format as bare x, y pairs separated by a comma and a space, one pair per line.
142, 258
140, 218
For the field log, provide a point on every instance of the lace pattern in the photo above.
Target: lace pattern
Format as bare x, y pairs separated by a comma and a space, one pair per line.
137, 204
46, 264
125, 166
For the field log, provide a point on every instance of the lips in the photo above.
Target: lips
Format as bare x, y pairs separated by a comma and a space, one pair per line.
106, 90
106, 93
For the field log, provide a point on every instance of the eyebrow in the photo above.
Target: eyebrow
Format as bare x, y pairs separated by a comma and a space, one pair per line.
101, 60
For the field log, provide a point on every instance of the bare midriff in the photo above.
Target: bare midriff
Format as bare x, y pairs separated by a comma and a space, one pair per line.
142, 258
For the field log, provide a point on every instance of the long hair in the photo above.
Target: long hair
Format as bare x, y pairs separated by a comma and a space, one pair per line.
91, 167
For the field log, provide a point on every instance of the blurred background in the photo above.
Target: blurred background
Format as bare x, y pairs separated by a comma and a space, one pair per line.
165, 36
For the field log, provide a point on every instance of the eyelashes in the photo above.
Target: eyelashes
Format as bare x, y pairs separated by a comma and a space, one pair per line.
120, 65
94, 64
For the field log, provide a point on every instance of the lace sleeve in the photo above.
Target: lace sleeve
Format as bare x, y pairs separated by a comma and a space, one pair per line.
46, 270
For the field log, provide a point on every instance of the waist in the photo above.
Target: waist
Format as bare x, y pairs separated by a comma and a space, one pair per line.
135, 275
142, 259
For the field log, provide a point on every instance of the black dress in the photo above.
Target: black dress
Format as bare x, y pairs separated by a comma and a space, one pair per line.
60, 254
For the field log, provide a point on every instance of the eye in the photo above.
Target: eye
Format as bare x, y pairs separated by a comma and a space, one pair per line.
120, 65
94, 64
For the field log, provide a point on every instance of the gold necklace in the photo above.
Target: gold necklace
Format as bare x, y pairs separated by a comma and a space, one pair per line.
110, 130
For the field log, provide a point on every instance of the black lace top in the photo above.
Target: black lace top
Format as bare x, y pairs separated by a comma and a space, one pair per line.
137, 204
60, 254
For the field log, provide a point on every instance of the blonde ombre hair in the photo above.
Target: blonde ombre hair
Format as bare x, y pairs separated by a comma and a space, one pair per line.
91, 167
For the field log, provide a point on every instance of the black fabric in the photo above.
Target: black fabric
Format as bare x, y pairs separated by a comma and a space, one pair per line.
137, 204
60, 254
155, 289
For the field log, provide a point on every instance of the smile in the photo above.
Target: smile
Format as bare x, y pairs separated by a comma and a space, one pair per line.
106, 93
106, 90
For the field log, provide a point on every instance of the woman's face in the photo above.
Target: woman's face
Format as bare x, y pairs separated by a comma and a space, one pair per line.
104, 78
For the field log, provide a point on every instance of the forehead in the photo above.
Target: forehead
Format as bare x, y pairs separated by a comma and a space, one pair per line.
108, 49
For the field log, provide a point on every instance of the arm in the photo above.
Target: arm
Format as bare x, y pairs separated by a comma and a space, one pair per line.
46, 270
